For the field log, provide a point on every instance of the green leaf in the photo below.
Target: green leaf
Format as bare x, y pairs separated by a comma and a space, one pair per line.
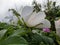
48, 40
2, 33
14, 40
42, 38
18, 32
17, 44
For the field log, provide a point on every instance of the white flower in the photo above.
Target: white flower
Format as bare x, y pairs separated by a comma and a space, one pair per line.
34, 19
46, 24
57, 25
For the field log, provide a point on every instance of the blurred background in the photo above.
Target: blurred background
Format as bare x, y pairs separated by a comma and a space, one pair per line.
5, 5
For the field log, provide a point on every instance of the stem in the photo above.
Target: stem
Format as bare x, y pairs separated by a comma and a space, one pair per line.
53, 29
52, 25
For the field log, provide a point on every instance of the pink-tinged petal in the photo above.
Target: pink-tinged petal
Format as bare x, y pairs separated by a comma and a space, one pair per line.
46, 30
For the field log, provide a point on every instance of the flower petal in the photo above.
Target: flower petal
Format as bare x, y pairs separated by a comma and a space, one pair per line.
27, 10
36, 18
44, 24
46, 30
57, 25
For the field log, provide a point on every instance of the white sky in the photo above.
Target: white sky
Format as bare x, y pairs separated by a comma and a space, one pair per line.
7, 4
